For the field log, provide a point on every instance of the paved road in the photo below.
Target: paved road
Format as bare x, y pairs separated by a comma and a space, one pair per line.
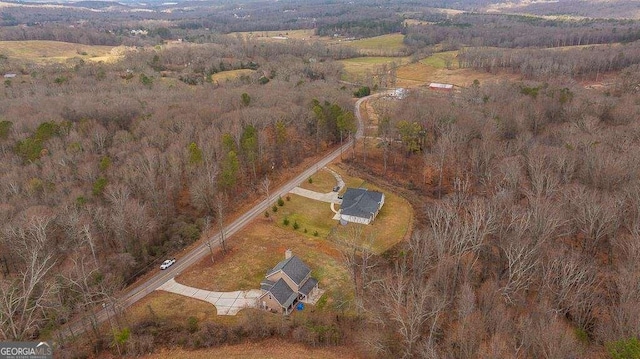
153, 283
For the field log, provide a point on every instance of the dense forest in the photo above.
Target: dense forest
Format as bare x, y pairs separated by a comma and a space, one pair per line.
524, 186
528, 241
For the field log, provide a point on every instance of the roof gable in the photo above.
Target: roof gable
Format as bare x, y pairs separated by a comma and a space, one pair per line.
282, 293
294, 268
360, 202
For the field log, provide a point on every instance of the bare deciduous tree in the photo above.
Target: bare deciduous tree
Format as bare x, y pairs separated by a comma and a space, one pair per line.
410, 303
25, 299
264, 185
358, 256
595, 216
573, 284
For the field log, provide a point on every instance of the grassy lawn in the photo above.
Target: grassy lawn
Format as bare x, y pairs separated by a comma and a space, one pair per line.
391, 42
172, 307
439, 60
260, 247
323, 181
359, 66
230, 75
56, 51
309, 214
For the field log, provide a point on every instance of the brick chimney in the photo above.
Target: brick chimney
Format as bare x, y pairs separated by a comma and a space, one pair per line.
287, 254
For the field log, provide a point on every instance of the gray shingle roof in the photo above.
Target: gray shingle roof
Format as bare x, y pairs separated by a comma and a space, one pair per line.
292, 267
308, 286
361, 203
283, 294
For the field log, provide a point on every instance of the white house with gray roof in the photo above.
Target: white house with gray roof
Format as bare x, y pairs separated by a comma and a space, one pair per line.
360, 205
286, 284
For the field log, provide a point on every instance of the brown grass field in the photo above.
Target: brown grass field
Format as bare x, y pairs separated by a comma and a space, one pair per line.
230, 75
56, 51
380, 44
303, 34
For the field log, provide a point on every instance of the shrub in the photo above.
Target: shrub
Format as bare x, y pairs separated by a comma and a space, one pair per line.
288, 198
315, 233
280, 202
305, 230
624, 349
310, 180
192, 324
582, 335
274, 208
80, 201
296, 225
363, 91
5, 127
99, 185
105, 163
29, 149
266, 213
285, 221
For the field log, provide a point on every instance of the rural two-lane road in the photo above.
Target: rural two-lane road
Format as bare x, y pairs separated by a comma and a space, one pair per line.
196, 254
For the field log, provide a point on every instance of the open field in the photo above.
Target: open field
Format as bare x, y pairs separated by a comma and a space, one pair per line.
303, 34
56, 51
441, 60
420, 74
431, 69
384, 43
230, 75
360, 66
270, 348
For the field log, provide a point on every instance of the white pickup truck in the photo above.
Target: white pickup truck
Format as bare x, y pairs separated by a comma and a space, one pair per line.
168, 263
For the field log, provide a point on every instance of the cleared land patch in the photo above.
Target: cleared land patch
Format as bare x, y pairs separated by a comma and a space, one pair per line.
384, 43
56, 51
281, 35
361, 66
231, 75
